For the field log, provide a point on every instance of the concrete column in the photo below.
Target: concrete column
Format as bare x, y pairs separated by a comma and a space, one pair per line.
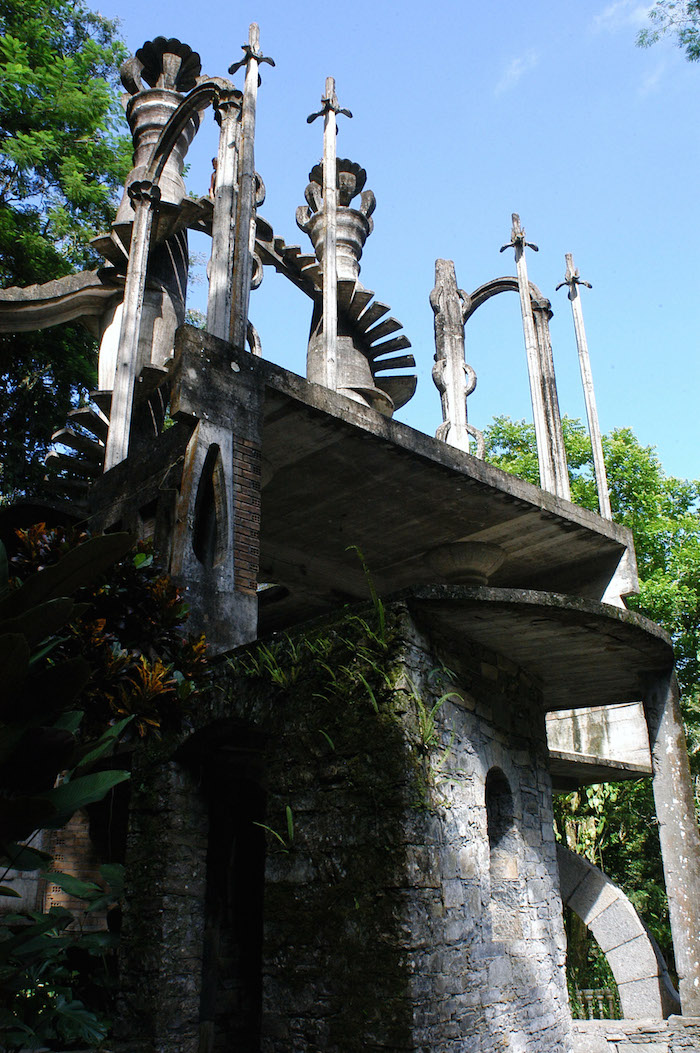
228, 110
145, 197
542, 312
678, 831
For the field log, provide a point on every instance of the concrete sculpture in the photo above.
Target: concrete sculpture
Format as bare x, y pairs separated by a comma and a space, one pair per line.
417, 904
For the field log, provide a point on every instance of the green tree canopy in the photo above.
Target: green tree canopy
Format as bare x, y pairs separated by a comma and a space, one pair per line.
680, 19
62, 161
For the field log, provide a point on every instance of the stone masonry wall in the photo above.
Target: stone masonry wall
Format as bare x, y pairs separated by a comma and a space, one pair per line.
161, 958
675, 1035
388, 922
498, 938
381, 904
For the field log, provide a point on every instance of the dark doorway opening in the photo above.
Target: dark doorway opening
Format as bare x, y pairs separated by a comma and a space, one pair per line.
231, 1000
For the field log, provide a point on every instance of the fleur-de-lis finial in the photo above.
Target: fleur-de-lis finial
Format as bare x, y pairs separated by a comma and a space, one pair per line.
571, 278
251, 50
329, 103
517, 237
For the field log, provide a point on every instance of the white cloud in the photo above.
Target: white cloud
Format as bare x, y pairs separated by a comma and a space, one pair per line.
515, 70
652, 80
621, 14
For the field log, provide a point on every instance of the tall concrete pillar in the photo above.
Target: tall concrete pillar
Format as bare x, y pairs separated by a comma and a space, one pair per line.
678, 831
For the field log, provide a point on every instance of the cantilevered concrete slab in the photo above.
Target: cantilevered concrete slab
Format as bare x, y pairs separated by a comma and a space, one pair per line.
584, 653
338, 475
600, 744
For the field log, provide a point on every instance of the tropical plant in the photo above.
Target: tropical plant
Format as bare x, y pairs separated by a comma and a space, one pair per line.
62, 161
69, 652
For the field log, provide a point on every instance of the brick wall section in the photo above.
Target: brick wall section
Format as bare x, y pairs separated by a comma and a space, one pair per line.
246, 514
73, 853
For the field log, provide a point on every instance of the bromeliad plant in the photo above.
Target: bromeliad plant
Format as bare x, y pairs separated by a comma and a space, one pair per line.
130, 631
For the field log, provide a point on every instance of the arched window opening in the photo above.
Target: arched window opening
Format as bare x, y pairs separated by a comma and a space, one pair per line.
499, 808
500, 825
210, 516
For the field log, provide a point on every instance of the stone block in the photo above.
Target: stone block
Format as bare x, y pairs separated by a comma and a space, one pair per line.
536, 891
634, 1045
591, 897
640, 998
500, 973
452, 894
591, 1043
618, 924
634, 960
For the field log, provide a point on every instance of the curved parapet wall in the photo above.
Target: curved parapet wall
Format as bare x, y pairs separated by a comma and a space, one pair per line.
635, 960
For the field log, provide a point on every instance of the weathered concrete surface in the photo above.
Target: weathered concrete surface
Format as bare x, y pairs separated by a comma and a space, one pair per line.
196, 488
335, 469
85, 296
678, 832
640, 972
603, 743
217, 521
551, 454
573, 280
452, 376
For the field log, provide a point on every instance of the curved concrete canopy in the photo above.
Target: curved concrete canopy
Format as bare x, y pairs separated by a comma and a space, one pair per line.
640, 972
584, 653
83, 296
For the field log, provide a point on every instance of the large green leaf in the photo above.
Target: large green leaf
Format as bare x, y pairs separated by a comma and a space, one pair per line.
81, 566
82, 1023
19, 816
104, 744
23, 857
74, 886
25, 942
77, 793
41, 621
70, 721
14, 662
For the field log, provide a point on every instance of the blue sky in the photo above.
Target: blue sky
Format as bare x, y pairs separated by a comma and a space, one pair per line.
463, 114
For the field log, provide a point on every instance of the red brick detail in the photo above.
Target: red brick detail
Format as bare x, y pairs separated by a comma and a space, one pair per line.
247, 471
74, 853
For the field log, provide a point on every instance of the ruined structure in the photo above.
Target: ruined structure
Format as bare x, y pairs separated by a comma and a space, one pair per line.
356, 852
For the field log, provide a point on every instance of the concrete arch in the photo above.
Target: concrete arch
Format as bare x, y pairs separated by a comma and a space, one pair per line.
640, 972
501, 285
